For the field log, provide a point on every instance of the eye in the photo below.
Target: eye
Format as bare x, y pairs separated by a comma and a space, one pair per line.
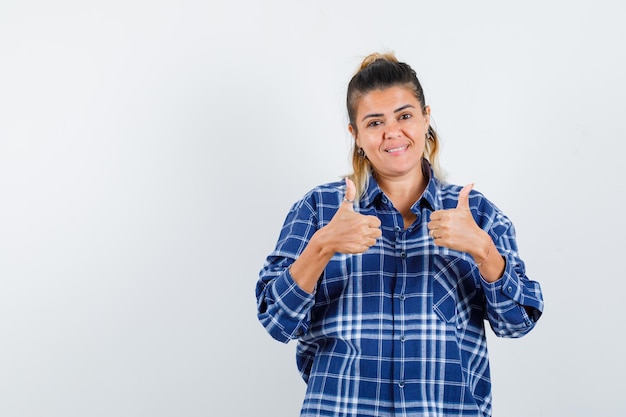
374, 123
406, 116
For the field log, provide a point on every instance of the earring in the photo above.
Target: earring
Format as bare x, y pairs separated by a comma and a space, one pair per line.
361, 152
429, 134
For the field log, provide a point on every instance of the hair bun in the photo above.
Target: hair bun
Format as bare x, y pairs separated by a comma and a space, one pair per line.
371, 58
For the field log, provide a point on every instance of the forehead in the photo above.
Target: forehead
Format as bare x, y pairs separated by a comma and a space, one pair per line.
387, 100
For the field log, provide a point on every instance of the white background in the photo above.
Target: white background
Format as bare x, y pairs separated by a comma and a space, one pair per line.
149, 152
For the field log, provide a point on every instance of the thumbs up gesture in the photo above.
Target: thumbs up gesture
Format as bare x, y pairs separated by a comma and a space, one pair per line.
456, 228
349, 231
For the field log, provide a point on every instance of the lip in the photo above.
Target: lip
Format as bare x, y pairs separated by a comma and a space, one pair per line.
397, 149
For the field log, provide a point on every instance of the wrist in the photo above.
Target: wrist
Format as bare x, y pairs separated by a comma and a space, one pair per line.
485, 251
321, 245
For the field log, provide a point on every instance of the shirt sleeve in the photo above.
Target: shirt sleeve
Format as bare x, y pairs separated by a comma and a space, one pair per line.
514, 302
283, 308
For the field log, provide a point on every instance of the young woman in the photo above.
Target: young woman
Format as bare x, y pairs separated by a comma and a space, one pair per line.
386, 279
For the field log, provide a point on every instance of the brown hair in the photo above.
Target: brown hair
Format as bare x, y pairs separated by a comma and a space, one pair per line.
376, 72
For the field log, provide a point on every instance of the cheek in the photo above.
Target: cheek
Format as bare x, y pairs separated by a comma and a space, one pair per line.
368, 142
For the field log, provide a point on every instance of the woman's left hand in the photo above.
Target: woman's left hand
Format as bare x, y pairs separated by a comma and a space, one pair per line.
456, 229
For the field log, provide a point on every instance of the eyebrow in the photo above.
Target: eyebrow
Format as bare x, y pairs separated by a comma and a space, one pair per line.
399, 109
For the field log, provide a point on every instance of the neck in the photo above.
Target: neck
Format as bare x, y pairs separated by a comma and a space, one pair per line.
404, 191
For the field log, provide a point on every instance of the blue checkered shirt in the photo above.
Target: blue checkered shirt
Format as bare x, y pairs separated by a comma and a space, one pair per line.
400, 329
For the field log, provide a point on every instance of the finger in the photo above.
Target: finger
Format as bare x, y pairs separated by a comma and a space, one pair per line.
376, 233
350, 192
437, 215
464, 196
373, 222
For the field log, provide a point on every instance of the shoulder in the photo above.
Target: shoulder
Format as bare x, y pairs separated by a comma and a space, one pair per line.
478, 201
328, 194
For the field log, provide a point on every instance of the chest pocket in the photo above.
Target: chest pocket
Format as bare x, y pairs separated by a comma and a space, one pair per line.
456, 293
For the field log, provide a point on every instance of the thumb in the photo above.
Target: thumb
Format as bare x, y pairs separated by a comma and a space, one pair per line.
463, 202
350, 192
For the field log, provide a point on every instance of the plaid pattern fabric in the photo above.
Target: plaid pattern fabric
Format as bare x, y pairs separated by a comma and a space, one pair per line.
398, 330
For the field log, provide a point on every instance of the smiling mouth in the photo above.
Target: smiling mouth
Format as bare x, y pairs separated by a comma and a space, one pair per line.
398, 149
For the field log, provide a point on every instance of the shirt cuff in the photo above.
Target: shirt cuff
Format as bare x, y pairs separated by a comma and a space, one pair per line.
508, 287
292, 299
505, 298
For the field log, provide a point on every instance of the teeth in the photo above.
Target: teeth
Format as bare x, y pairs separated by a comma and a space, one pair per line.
396, 149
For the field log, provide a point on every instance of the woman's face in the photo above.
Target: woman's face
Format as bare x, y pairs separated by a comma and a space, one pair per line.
391, 130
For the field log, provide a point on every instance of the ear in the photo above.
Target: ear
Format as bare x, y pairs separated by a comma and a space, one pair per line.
352, 131
427, 115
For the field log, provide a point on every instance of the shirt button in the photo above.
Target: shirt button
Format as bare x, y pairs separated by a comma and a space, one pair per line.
402, 339
509, 289
403, 255
397, 228
401, 384
402, 297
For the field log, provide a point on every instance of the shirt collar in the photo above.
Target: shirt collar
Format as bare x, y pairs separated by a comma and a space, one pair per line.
427, 199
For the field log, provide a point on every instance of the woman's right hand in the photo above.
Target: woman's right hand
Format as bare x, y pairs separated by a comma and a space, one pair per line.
348, 231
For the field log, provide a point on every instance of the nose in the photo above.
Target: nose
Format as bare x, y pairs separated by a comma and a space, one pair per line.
392, 130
